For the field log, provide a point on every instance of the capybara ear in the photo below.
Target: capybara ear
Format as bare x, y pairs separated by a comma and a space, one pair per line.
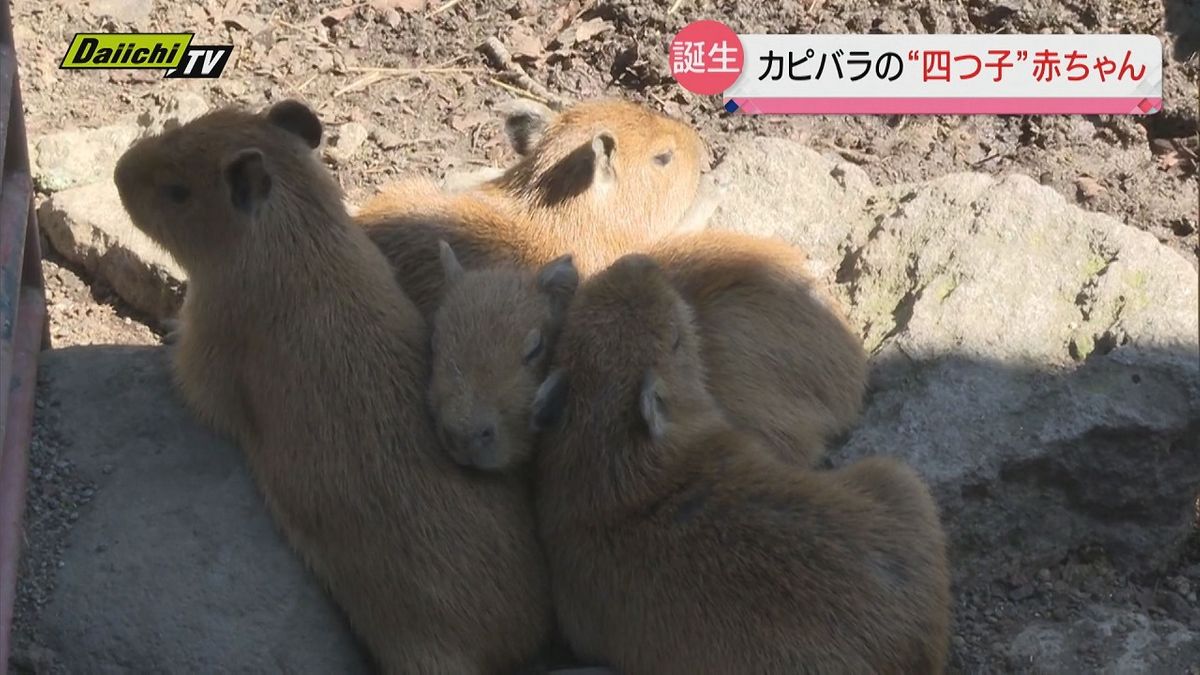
559, 279
525, 123
249, 182
450, 265
550, 400
604, 146
654, 409
297, 118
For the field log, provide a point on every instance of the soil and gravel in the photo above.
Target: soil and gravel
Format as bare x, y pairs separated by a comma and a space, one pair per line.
433, 112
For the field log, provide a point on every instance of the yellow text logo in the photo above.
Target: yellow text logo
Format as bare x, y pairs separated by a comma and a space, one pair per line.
127, 50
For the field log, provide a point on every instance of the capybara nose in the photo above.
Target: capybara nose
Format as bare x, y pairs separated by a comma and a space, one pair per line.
484, 437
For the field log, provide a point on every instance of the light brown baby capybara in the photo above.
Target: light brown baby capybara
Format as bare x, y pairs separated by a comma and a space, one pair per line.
298, 342
485, 374
781, 362
598, 180
678, 545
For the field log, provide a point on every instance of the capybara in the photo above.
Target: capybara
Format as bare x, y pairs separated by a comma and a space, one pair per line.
298, 342
780, 360
598, 180
678, 545
485, 374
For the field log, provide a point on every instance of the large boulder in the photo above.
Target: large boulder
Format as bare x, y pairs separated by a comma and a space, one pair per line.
74, 157
1040, 366
84, 219
89, 226
776, 187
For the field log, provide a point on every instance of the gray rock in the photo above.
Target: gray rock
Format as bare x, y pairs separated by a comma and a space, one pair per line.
777, 187
1129, 642
347, 141
385, 138
943, 264
175, 564
179, 109
89, 226
66, 159
1037, 363
1034, 355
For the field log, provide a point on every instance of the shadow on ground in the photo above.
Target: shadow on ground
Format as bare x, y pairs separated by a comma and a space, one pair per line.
1070, 497
174, 564
1182, 19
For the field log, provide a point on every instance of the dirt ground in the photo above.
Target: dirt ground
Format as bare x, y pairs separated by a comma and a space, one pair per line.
1141, 171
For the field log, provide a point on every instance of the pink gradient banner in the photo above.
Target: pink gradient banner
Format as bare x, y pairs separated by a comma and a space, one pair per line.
945, 106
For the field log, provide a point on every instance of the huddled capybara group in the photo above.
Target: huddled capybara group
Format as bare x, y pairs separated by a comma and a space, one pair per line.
546, 413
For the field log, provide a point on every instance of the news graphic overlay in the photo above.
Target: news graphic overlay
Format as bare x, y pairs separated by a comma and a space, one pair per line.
707, 57
173, 53
920, 74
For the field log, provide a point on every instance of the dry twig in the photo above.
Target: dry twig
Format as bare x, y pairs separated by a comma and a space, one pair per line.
502, 61
444, 6
523, 93
300, 87
374, 74
304, 31
856, 156
435, 70
361, 83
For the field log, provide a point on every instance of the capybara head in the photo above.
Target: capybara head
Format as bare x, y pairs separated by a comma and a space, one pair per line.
493, 336
628, 357
203, 189
613, 159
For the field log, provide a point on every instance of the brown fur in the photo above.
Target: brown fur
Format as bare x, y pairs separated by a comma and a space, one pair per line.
600, 209
582, 186
781, 360
758, 310
677, 546
483, 230
492, 338
299, 344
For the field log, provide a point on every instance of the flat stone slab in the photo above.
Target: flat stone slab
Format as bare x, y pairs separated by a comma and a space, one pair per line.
174, 565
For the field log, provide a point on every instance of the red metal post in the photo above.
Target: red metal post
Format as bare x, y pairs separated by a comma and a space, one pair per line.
22, 323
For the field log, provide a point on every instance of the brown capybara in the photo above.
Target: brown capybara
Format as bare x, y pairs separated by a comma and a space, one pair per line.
678, 545
598, 180
298, 342
607, 169
781, 360
485, 374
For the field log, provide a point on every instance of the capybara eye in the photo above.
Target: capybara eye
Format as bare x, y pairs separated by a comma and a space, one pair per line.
664, 158
678, 338
177, 193
534, 349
